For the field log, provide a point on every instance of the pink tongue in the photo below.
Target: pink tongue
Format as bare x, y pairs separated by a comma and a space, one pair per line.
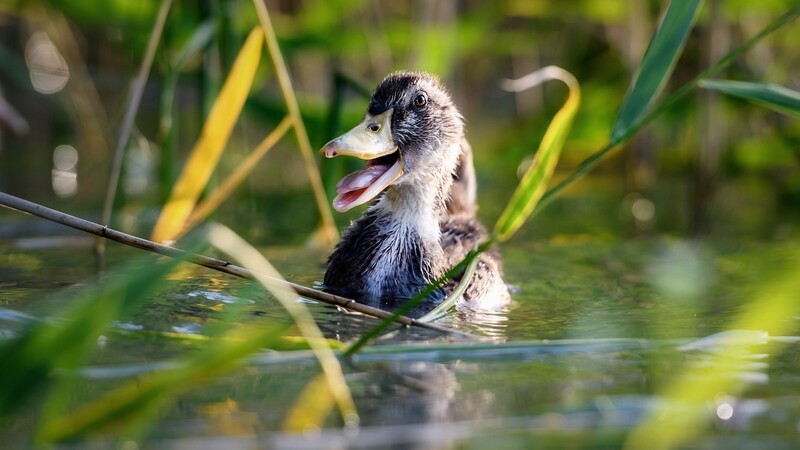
361, 179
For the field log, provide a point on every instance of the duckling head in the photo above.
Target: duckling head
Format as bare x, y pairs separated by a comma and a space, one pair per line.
409, 137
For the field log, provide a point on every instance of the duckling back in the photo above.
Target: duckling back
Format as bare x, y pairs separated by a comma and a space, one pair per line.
463, 198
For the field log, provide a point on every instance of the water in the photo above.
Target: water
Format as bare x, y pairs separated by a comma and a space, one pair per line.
597, 328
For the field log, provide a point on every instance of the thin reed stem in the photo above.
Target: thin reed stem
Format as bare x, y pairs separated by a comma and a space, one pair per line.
284, 80
205, 261
134, 99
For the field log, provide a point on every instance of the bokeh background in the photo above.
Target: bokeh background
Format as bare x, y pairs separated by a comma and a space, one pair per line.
710, 165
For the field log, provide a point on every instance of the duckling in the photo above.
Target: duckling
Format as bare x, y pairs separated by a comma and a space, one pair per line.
422, 221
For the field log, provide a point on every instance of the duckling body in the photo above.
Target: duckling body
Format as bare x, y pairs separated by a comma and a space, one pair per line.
423, 222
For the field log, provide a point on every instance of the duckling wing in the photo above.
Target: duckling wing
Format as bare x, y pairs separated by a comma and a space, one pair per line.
459, 235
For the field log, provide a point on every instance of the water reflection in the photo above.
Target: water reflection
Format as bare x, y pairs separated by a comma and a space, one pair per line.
393, 393
490, 324
731, 353
725, 410
729, 364
421, 389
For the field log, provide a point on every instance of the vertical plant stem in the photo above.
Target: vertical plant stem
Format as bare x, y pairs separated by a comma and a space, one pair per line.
211, 263
329, 231
210, 77
715, 128
169, 136
135, 97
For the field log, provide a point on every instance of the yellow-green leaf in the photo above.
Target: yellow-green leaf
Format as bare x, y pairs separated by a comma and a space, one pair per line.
686, 403
208, 149
534, 182
250, 258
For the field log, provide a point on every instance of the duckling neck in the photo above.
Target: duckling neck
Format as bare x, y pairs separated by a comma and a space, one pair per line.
414, 209
418, 202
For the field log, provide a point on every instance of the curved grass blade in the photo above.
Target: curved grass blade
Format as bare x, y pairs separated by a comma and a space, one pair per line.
209, 147
136, 401
657, 64
451, 299
534, 182
594, 159
773, 96
416, 300
230, 243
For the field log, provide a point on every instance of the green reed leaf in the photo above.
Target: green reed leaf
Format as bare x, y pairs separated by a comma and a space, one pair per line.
30, 358
136, 401
773, 96
657, 64
534, 182
451, 299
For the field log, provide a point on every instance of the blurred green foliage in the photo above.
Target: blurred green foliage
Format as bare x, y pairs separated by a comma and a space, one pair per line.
471, 45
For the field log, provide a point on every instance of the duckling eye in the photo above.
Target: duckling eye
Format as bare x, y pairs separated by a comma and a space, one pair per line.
420, 100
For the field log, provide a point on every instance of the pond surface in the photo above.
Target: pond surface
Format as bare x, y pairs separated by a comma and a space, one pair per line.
597, 328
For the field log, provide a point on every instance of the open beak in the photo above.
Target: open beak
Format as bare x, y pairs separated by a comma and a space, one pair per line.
371, 140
